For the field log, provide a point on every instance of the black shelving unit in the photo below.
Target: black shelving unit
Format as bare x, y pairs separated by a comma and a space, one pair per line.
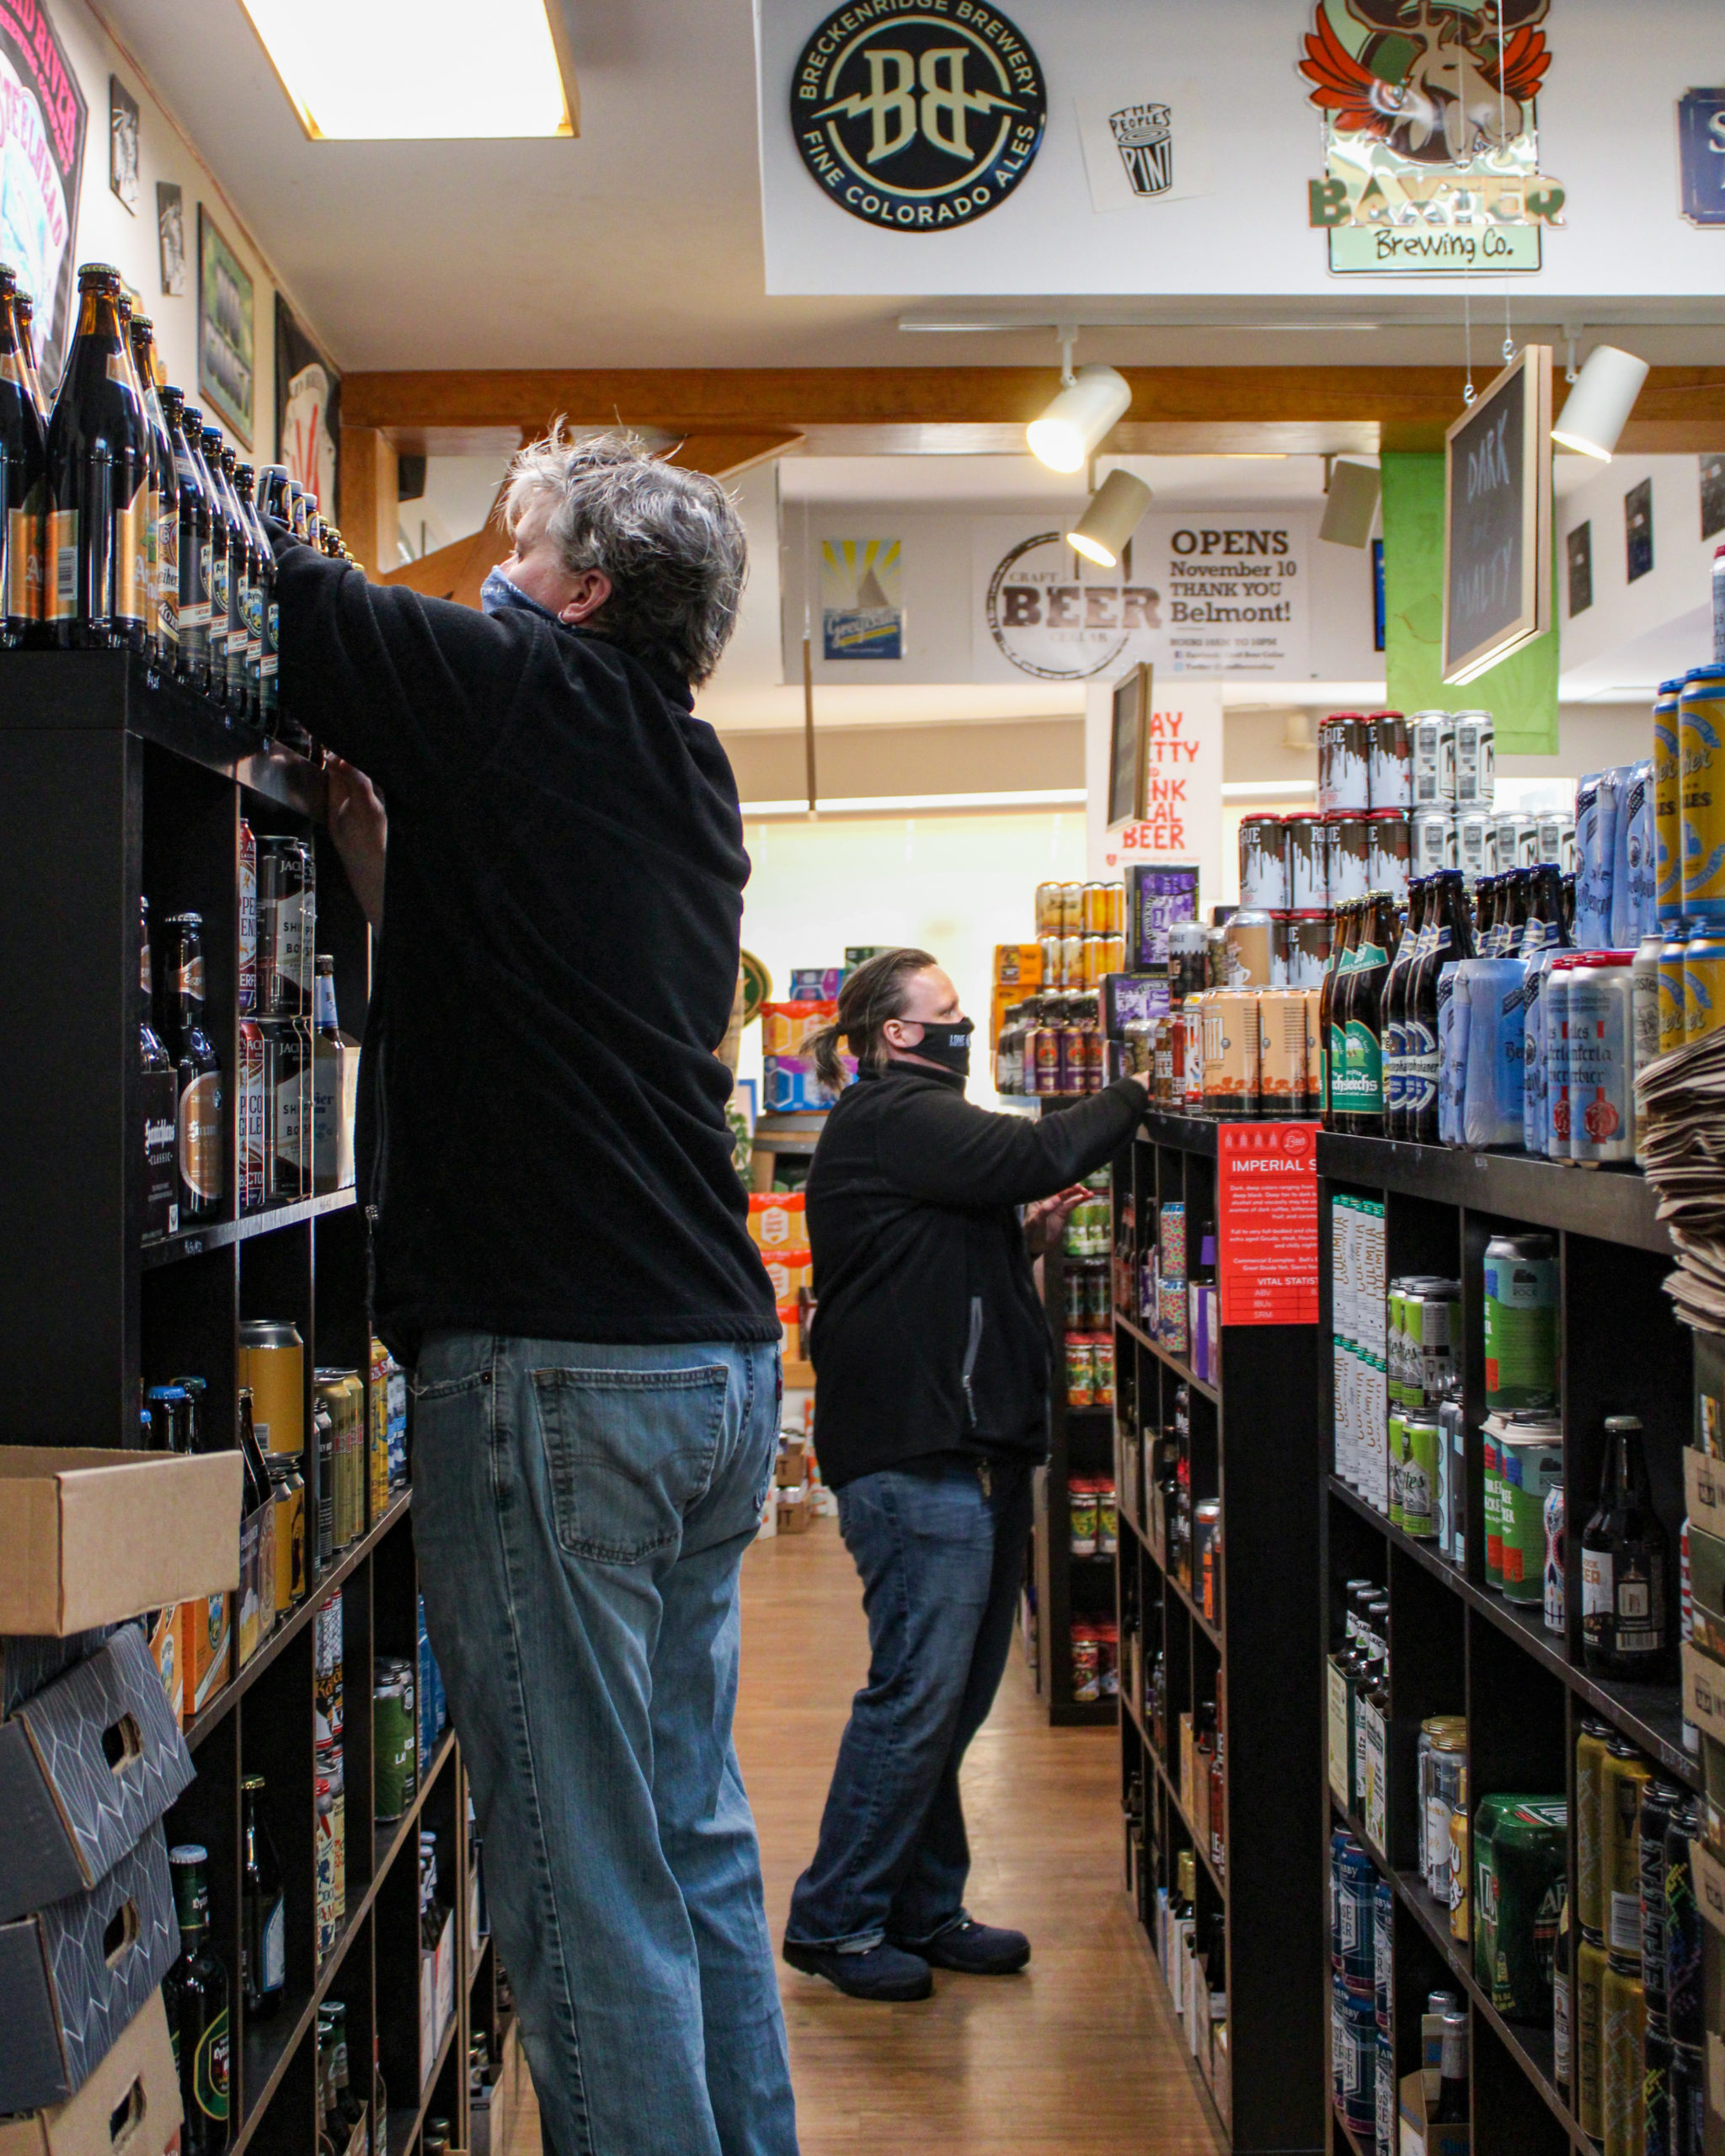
1254, 1448
1458, 1647
114, 782
1069, 1588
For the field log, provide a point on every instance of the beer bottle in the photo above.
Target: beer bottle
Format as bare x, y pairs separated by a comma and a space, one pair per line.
214, 555
296, 519
24, 480
1356, 1022
327, 1105
1341, 951
1395, 1007
262, 619
1450, 940
202, 1135
196, 1988
1546, 928
24, 310
1452, 2106
191, 548
264, 1931
314, 522
98, 470
165, 487
347, 2112
1511, 911
219, 462
160, 1102
1485, 916
1625, 1614
246, 704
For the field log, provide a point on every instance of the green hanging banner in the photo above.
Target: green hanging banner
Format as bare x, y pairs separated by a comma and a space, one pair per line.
1521, 693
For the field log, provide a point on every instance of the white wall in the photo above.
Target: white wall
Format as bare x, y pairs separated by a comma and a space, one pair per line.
1634, 635
953, 885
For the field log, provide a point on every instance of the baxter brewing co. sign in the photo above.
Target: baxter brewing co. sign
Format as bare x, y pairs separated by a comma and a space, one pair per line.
918, 115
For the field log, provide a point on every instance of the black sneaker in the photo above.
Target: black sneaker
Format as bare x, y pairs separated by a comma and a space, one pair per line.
883, 1973
976, 1949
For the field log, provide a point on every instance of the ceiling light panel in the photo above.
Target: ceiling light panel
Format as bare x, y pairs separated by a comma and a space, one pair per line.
416, 70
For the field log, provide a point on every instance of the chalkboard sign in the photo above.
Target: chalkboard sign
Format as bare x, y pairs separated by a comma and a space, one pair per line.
1129, 748
1497, 520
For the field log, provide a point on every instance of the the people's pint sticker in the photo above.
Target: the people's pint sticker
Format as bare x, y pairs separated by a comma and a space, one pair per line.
919, 117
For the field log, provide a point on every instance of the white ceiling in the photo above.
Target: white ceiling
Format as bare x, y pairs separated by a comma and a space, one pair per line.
637, 244
1217, 482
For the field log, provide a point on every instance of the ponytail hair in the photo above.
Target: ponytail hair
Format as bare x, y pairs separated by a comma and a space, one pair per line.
873, 994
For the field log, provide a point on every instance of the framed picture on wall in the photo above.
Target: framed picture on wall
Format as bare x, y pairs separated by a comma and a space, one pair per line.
170, 235
308, 410
1579, 548
1128, 747
227, 333
1638, 530
123, 143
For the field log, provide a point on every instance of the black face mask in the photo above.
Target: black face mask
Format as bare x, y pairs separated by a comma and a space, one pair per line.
949, 1046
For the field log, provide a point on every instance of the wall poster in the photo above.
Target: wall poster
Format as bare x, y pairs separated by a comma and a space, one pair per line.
307, 411
861, 599
226, 332
43, 118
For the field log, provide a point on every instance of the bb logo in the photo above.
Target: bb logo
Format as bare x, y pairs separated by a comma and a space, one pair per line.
921, 120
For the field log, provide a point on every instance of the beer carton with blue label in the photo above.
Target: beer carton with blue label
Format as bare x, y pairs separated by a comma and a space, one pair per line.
1420, 2135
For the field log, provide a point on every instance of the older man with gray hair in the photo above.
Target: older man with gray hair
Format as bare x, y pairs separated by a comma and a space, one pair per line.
561, 1250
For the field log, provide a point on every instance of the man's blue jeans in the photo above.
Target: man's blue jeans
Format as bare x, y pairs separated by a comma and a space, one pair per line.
941, 1550
581, 1514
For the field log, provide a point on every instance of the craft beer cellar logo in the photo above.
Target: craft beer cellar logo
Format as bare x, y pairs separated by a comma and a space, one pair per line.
1056, 616
1431, 134
1144, 134
918, 116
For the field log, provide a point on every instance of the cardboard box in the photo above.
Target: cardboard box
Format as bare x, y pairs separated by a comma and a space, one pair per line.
1017, 967
792, 1470
816, 983
1418, 2135
790, 1270
128, 2107
1707, 1580
1709, 1875
790, 1086
74, 1976
206, 1651
779, 1219
28, 1665
164, 1653
794, 1512
436, 1996
88, 1537
1704, 1485
85, 1768
785, 1026
1704, 1689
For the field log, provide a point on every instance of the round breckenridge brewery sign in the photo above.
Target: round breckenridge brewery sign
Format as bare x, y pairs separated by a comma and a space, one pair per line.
918, 115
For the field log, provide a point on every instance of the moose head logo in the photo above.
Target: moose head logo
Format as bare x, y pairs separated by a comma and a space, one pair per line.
1439, 81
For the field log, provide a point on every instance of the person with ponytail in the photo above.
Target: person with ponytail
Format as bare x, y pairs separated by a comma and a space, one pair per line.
931, 1362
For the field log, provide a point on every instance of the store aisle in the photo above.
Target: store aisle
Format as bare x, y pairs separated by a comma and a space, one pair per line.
1080, 2054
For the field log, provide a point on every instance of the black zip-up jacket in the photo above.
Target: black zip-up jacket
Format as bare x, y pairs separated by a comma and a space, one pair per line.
928, 1334
547, 1146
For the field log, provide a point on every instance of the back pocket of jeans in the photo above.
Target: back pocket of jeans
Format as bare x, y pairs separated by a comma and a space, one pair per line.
627, 1452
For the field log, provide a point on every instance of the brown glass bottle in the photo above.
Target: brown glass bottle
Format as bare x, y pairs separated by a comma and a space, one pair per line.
202, 1124
1449, 940
1545, 909
261, 615
1341, 947
1356, 1022
1626, 1619
192, 615
164, 490
159, 1104
229, 571
24, 310
1512, 912
23, 481
1395, 1043
241, 687
98, 468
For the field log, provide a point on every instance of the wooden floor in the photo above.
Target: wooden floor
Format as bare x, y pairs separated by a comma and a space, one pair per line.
1080, 2055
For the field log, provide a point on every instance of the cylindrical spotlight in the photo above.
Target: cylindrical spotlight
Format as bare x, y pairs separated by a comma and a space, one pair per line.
1599, 407
1110, 518
1352, 504
1079, 418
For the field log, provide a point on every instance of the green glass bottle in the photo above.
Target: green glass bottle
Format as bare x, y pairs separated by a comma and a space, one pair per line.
197, 1986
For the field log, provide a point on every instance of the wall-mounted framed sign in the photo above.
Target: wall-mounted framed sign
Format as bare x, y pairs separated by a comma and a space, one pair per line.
1497, 518
1129, 743
43, 118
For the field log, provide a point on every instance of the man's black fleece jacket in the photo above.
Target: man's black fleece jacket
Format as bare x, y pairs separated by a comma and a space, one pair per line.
548, 1147
928, 1335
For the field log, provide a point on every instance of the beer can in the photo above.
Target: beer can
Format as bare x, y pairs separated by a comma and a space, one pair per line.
1626, 1775
1071, 955
1657, 1801
1113, 958
1431, 741
1314, 1069
1188, 959
1421, 1453
1387, 842
1554, 838
1349, 856
1477, 844
1623, 2014
1081, 1371
1686, 1985
1251, 935
1192, 1050
1050, 916
1672, 1011
248, 976
1591, 1966
1517, 840
1231, 1052
251, 1118
1345, 780
1521, 1324
1592, 1747
1092, 960
1308, 949
1069, 1060
1632, 868
1700, 723
1282, 950
1281, 1052
1071, 908
1049, 946
1095, 910
1431, 842
1599, 1031
1389, 764
1216, 958
1263, 862
1668, 800
1308, 861
1704, 983
1644, 996
1532, 1464
1476, 759
1452, 1481
1656, 2084
1686, 2082
1554, 1558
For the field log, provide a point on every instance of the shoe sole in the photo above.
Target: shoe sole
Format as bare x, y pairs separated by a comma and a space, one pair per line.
980, 1969
812, 1966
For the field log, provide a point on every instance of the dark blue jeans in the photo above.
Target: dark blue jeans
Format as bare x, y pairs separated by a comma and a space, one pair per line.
941, 1555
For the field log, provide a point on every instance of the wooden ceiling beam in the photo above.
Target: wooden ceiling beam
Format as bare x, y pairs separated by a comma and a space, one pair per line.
1187, 408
